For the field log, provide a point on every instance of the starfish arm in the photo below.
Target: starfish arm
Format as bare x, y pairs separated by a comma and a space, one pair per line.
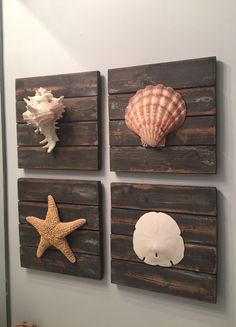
63, 246
64, 229
52, 213
36, 222
42, 247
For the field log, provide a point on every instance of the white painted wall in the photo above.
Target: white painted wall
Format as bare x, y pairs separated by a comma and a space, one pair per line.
58, 36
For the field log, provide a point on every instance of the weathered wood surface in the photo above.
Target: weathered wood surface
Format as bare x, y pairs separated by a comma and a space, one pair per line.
77, 158
194, 131
76, 109
170, 159
197, 286
70, 134
63, 191
69, 85
194, 228
167, 198
199, 102
89, 266
81, 241
199, 258
177, 74
67, 212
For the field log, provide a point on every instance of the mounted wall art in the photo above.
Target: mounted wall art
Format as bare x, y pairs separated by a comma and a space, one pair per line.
77, 140
78, 219
175, 252
185, 139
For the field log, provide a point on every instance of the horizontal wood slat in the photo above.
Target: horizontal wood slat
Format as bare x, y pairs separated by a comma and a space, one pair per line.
77, 158
199, 102
199, 258
194, 131
169, 198
63, 191
69, 85
177, 74
67, 212
89, 266
70, 134
194, 228
81, 241
171, 281
76, 109
170, 159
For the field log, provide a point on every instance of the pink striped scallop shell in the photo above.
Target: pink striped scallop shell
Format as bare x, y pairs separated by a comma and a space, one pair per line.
154, 112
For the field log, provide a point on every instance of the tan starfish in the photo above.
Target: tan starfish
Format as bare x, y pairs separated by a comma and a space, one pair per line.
53, 232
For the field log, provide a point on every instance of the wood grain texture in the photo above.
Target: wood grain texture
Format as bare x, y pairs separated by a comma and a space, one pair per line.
67, 212
194, 131
167, 198
77, 158
194, 228
89, 266
170, 159
76, 109
198, 286
70, 134
199, 102
178, 74
63, 191
199, 258
69, 85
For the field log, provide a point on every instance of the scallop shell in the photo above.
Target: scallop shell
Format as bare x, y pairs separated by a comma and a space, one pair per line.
154, 112
157, 240
43, 111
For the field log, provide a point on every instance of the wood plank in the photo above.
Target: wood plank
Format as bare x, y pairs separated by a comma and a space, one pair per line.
81, 241
194, 131
63, 191
89, 266
69, 85
167, 198
77, 158
70, 134
194, 228
67, 212
177, 74
199, 102
198, 258
171, 159
77, 109
197, 286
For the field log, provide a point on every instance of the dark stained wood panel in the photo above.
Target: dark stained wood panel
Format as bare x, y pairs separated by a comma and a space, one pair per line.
194, 228
69, 85
197, 286
199, 258
169, 159
77, 158
77, 109
194, 131
89, 266
199, 102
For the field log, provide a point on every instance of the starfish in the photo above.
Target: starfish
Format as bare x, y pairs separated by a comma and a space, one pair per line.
53, 232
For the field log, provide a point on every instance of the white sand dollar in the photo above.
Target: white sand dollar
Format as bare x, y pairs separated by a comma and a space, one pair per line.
157, 240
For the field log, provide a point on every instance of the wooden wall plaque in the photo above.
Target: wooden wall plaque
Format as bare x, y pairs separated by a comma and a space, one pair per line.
191, 148
79, 133
194, 210
74, 199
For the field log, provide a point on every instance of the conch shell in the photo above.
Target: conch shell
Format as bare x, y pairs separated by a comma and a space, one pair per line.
157, 240
43, 111
154, 112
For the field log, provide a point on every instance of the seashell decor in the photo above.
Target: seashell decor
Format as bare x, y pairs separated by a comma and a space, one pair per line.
154, 112
43, 111
157, 240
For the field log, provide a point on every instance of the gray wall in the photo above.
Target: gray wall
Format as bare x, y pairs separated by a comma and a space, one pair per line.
59, 36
